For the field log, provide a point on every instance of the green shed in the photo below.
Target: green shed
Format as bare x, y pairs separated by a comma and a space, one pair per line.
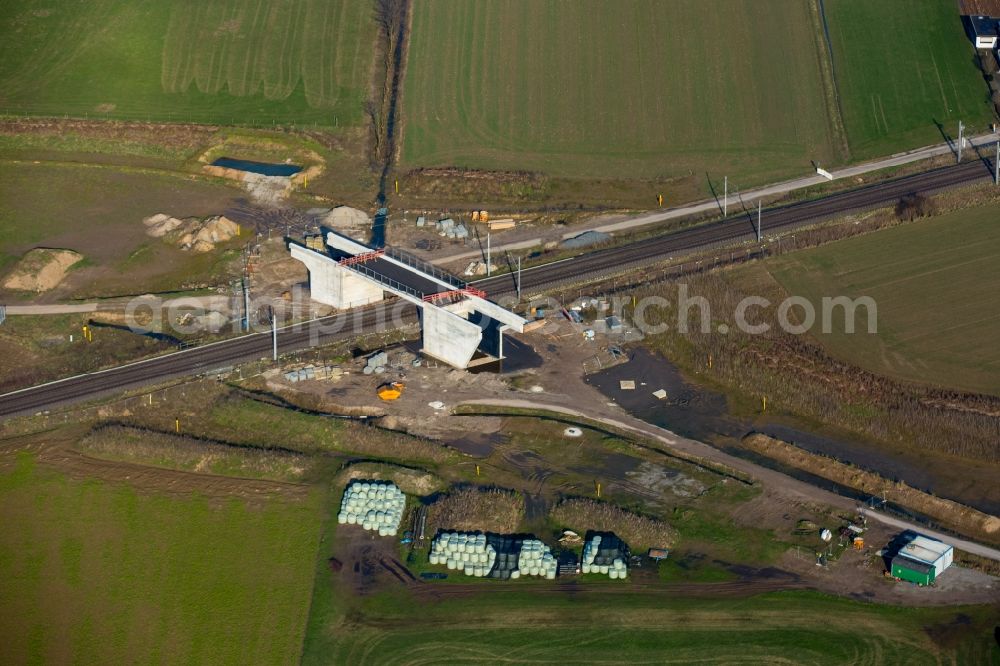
913, 571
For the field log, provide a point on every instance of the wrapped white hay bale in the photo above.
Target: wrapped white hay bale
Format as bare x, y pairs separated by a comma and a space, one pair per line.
377, 506
607, 555
466, 552
536, 559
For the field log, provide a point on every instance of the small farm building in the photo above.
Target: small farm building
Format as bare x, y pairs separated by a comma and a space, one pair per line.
985, 30
921, 560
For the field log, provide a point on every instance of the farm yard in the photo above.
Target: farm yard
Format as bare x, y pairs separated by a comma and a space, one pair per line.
936, 297
637, 89
901, 67
226, 62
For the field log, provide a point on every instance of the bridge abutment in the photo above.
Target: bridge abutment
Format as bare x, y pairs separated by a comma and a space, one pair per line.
334, 285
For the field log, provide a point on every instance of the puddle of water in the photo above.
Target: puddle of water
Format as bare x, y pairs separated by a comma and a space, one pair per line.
687, 410
263, 168
855, 453
609, 466
479, 445
518, 356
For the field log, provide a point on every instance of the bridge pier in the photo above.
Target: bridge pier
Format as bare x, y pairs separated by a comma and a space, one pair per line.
448, 337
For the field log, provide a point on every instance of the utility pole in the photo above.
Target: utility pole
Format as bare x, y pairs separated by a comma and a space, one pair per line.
489, 262
274, 336
246, 304
996, 166
725, 197
961, 130
519, 278
758, 221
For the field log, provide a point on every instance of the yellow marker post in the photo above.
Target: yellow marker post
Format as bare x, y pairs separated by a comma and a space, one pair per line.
598, 484
763, 404
239, 229
477, 470
709, 361
397, 186
150, 399
177, 425
659, 200
305, 181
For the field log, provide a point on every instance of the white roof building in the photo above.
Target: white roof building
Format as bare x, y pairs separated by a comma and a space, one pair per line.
929, 551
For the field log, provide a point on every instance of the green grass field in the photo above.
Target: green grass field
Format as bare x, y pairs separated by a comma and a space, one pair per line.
95, 572
936, 289
618, 90
216, 61
901, 65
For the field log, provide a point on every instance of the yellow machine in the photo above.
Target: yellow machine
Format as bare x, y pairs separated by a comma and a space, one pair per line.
391, 390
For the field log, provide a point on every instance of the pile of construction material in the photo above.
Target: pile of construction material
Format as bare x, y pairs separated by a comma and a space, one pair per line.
479, 268
535, 559
464, 551
376, 363
452, 229
606, 554
341, 217
375, 505
310, 372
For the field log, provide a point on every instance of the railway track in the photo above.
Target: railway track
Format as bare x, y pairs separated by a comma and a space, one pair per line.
736, 229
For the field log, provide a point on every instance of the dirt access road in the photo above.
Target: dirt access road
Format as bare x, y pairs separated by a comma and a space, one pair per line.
773, 479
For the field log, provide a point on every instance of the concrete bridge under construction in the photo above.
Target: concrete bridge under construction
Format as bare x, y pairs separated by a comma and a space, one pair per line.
457, 321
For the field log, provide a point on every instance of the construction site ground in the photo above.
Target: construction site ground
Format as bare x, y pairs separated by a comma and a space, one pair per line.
559, 382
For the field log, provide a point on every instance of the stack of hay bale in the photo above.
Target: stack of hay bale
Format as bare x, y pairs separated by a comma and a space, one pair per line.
508, 552
535, 559
375, 505
605, 554
464, 551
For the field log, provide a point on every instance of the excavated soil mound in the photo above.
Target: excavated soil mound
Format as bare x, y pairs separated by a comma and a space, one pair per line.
41, 269
192, 234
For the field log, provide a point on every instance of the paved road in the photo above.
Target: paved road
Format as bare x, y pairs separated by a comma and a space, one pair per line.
346, 325
984, 143
765, 475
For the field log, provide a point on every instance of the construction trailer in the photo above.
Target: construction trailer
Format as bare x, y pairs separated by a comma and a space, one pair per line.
913, 571
921, 560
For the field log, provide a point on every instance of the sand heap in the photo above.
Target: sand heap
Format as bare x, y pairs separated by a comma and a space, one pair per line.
341, 217
192, 233
41, 269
